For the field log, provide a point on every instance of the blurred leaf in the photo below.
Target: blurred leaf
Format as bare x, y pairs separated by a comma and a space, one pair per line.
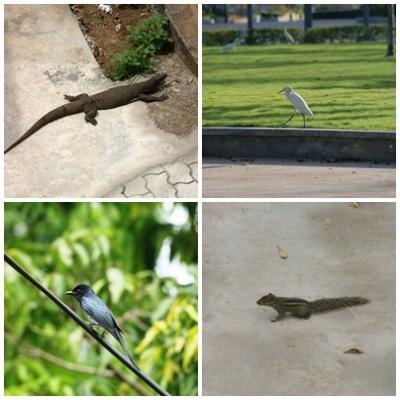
191, 347
116, 283
82, 253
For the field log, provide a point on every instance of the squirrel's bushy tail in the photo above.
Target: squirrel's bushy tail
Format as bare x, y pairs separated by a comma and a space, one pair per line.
322, 305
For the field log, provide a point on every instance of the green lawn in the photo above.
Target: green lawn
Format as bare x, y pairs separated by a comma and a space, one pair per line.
348, 86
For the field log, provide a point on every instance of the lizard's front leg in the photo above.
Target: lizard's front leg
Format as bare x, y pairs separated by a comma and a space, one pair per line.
149, 98
74, 98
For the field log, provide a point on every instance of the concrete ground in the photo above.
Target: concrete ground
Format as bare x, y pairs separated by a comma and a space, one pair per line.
334, 249
280, 178
46, 56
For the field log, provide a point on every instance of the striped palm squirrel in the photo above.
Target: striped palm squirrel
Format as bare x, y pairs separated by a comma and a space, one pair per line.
303, 309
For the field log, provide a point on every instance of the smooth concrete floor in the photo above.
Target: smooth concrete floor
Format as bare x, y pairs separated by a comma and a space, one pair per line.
333, 250
281, 178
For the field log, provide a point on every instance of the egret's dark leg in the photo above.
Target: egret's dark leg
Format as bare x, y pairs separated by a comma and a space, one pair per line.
304, 120
291, 117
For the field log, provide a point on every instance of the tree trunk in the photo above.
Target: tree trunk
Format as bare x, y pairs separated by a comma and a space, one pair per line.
390, 30
307, 16
250, 38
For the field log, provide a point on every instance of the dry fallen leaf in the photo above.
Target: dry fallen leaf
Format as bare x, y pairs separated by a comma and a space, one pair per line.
282, 253
354, 350
354, 204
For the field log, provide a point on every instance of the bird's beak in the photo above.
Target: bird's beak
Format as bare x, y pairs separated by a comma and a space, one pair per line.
281, 90
70, 293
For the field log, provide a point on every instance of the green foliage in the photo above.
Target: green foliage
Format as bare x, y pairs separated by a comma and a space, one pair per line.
348, 86
346, 34
114, 247
149, 38
219, 37
152, 33
337, 34
275, 36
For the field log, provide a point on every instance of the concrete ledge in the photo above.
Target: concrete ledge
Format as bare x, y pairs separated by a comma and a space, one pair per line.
312, 144
183, 24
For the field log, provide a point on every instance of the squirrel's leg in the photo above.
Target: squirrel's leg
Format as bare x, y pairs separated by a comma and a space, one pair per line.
74, 98
90, 111
280, 316
306, 315
303, 312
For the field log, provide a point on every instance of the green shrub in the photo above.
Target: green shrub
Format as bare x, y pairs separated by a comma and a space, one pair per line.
149, 38
345, 34
275, 36
152, 34
340, 34
220, 37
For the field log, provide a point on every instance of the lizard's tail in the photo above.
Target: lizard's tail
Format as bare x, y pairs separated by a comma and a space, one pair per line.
322, 305
60, 112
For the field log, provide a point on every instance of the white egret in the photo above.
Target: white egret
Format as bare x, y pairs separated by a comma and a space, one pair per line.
289, 38
299, 104
231, 46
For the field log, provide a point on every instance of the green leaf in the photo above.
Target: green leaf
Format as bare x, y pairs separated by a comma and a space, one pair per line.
82, 253
116, 283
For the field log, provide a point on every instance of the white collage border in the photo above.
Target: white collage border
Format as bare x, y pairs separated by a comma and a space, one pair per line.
199, 199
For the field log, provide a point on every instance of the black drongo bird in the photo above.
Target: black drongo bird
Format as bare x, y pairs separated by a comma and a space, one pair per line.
98, 313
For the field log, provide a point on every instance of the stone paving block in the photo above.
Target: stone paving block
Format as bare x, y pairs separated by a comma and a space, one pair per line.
178, 172
137, 186
194, 166
158, 185
186, 190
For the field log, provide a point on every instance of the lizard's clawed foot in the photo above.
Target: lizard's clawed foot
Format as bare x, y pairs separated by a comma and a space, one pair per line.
91, 120
164, 97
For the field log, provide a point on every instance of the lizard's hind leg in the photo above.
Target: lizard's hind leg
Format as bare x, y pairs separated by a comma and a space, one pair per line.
90, 111
74, 98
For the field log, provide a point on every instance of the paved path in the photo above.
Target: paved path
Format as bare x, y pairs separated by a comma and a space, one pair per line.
177, 179
46, 56
266, 178
333, 250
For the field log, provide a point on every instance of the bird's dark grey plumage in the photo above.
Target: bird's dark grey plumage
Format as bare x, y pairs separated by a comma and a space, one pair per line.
98, 313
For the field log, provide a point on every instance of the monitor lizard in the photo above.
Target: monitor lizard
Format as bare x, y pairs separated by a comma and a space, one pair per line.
111, 98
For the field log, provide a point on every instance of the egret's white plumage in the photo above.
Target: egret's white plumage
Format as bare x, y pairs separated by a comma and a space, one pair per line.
289, 38
231, 46
298, 102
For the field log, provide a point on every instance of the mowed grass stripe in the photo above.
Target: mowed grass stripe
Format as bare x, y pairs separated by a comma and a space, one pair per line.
347, 86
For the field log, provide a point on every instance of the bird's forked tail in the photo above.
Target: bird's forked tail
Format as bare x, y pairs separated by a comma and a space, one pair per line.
118, 336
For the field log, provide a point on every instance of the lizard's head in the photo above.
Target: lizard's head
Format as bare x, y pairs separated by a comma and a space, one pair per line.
155, 82
266, 300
